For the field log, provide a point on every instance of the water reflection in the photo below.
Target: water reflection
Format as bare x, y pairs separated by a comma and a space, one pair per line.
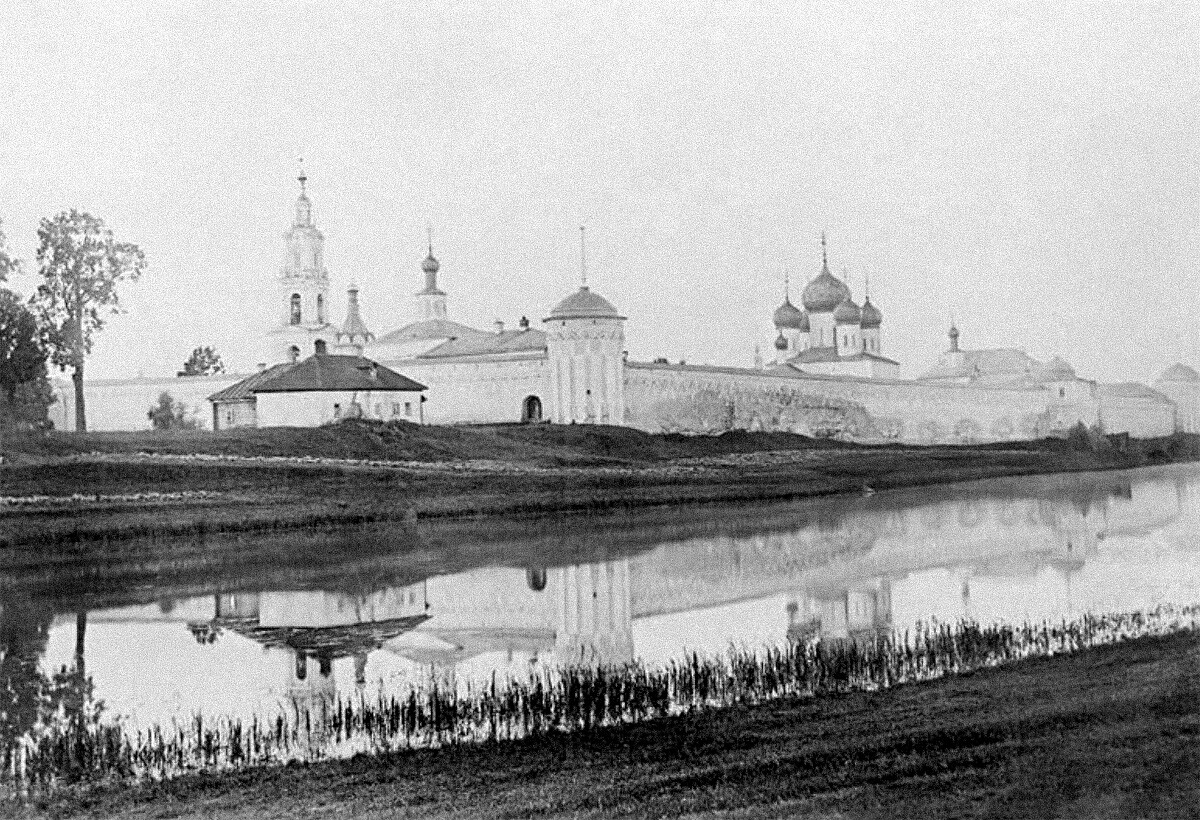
846, 568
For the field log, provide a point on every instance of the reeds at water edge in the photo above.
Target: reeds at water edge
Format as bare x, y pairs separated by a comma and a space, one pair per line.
82, 749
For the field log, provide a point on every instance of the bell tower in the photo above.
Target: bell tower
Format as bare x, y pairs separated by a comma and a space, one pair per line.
302, 325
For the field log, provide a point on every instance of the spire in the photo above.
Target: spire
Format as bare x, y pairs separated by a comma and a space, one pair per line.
303, 205
354, 330
787, 296
582, 259
429, 234
824, 254
866, 286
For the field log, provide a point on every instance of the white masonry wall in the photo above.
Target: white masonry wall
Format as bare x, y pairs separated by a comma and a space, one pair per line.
122, 404
479, 392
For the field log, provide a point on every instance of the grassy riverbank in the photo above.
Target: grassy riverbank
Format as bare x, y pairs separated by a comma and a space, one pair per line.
261, 480
1110, 732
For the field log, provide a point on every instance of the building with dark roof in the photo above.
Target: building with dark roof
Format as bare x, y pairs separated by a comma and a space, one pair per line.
321, 389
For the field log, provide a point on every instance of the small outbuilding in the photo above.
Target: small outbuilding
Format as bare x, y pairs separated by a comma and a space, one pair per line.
321, 389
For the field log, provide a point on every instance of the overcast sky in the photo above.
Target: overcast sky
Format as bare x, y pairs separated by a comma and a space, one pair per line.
1031, 168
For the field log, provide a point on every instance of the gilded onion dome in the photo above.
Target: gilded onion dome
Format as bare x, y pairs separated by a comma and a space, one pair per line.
780, 342
847, 313
824, 293
871, 315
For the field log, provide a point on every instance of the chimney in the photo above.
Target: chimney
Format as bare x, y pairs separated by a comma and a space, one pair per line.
524, 323
499, 325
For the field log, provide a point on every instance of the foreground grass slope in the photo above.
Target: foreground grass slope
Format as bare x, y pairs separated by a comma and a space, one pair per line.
457, 471
1112, 732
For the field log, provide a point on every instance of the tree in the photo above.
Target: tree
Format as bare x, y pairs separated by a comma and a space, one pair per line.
8, 263
22, 363
204, 361
169, 414
81, 265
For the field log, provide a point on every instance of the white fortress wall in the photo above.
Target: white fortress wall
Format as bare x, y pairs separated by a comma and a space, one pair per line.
122, 404
1140, 417
479, 392
709, 400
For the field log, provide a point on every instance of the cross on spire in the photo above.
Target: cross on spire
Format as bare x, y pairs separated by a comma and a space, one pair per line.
303, 178
429, 235
787, 282
866, 285
824, 255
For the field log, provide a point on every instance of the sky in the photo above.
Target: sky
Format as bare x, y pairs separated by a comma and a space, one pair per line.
1031, 169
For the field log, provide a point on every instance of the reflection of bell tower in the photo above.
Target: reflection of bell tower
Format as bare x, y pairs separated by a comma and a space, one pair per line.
302, 294
593, 614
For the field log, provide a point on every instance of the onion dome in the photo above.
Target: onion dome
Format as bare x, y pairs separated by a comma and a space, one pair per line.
847, 313
781, 342
584, 304
1179, 373
788, 316
871, 316
824, 293
430, 264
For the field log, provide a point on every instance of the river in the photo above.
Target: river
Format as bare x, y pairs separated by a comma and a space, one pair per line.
294, 619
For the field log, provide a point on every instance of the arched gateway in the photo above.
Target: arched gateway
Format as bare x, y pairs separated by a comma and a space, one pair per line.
531, 409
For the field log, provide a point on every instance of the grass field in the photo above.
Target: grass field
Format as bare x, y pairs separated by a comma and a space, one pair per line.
1111, 732
262, 480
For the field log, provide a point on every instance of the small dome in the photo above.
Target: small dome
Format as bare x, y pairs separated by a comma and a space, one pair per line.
584, 304
788, 315
1057, 369
871, 317
1179, 373
780, 342
430, 264
847, 313
824, 293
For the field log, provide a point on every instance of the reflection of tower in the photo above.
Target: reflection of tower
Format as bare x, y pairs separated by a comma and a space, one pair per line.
860, 612
593, 616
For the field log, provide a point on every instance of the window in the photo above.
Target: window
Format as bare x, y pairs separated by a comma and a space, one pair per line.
337, 411
395, 408
1062, 392
408, 408
295, 309
294, 353
378, 410
320, 309
319, 347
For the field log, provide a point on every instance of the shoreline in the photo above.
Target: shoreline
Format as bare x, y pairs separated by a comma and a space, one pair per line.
95, 488
1108, 731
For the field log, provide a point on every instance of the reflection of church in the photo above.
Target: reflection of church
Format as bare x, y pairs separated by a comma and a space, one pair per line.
851, 568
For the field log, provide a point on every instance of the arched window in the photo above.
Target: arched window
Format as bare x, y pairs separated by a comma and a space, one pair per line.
320, 309
294, 353
301, 666
295, 308
535, 578
319, 347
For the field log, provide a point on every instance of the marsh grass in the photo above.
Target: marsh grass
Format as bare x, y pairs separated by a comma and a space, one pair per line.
575, 698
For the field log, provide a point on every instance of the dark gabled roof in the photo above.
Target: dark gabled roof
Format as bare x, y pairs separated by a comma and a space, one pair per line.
244, 390
325, 371
508, 341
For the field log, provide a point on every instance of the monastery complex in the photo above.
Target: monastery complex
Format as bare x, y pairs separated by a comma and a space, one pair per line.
830, 375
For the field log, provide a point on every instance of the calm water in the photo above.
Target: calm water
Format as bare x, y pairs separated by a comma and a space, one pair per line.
292, 620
